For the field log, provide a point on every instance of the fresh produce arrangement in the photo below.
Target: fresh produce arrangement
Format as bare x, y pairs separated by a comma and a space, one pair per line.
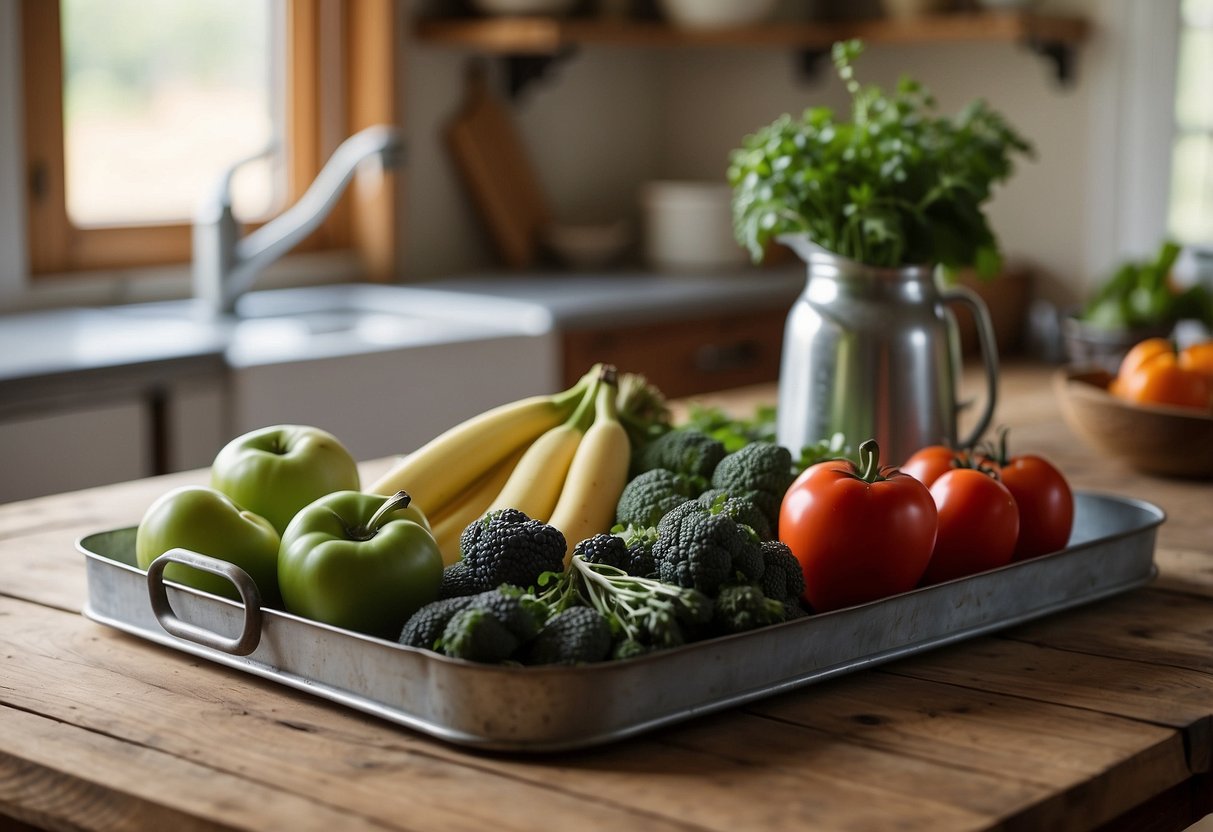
560, 458
584, 527
1155, 372
346, 558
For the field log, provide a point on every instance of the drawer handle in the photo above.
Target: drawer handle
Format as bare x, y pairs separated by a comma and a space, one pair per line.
250, 632
723, 358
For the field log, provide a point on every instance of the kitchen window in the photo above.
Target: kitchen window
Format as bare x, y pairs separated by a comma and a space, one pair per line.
133, 108
1191, 209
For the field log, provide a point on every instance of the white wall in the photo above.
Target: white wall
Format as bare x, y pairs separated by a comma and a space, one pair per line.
592, 127
611, 118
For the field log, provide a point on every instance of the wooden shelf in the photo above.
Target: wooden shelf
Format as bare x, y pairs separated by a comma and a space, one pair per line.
546, 36
528, 45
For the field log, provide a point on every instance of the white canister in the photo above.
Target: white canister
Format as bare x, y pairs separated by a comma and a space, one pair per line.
689, 225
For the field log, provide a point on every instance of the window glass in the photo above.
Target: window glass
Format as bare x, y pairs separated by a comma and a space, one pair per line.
1191, 211
1191, 219
160, 96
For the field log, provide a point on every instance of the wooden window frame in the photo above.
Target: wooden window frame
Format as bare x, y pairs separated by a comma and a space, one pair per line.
366, 62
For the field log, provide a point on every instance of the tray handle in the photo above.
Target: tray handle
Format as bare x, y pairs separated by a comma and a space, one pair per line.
250, 632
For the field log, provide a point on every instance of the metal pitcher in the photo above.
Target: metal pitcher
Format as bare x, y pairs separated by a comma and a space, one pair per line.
873, 353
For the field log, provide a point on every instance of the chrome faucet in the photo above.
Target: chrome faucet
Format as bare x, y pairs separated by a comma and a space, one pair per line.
226, 265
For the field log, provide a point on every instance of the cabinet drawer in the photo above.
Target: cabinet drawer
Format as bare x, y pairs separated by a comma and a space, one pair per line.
688, 356
77, 447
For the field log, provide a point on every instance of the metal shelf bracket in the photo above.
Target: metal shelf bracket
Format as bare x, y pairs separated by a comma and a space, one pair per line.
521, 71
1058, 53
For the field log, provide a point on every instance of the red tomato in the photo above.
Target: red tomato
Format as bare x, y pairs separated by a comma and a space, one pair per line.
978, 525
1046, 503
930, 463
860, 533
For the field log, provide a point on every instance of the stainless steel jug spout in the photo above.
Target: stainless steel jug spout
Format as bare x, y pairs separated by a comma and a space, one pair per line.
870, 352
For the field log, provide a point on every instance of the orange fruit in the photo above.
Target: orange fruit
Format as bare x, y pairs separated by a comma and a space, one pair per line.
1142, 352
1198, 358
1160, 380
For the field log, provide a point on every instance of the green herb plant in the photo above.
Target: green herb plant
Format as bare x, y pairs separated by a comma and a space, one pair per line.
896, 185
737, 432
1140, 294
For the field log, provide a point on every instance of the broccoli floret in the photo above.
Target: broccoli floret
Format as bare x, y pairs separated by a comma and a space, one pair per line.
648, 496
458, 581
741, 509
744, 607
760, 472
639, 540
519, 612
503, 547
782, 577
642, 409
424, 627
630, 648
650, 612
685, 451
604, 548
511, 609
577, 635
793, 610
477, 635
701, 547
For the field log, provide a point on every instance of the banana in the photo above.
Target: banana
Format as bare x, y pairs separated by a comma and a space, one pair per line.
437, 472
470, 505
597, 475
535, 485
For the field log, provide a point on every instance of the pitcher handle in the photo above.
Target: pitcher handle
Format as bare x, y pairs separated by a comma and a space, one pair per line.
989, 354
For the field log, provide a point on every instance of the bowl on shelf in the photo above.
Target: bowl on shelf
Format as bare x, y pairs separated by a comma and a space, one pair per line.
587, 245
716, 14
1155, 439
505, 8
911, 9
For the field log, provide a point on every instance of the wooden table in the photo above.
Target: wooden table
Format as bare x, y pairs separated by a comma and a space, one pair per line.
1103, 715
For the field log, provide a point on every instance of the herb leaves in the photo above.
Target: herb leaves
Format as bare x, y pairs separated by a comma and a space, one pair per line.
895, 186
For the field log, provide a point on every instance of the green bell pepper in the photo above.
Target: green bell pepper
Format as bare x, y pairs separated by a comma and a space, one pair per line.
359, 561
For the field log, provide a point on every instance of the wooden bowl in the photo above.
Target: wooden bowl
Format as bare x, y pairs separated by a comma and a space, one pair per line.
1156, 439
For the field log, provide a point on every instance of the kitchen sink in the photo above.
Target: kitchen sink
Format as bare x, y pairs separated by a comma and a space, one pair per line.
383, 367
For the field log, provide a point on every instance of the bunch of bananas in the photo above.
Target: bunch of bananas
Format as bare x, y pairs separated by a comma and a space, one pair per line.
560, 459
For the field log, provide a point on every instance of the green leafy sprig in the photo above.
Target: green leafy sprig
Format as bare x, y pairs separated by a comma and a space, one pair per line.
896, 185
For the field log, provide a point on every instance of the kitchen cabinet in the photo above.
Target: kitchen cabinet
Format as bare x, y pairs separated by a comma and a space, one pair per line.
78, 446
688, 332
684, 357
108, 431
393, 400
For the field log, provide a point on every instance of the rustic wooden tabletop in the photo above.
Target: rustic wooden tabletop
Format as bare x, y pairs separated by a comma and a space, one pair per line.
1102, 716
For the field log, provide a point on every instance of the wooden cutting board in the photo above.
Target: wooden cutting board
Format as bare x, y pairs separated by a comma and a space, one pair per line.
498, 174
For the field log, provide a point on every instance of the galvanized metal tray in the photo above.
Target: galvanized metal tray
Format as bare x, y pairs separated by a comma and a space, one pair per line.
553, 708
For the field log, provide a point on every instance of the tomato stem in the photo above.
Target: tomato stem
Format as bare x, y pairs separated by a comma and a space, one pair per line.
868, 469
999, 453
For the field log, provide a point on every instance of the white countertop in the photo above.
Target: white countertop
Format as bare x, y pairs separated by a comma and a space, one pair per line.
51, 350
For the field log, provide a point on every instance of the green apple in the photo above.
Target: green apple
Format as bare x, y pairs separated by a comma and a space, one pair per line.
359, 561
205, 521
278, 470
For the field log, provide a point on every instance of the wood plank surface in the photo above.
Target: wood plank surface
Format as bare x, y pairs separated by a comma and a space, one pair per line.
218, 718
1066, 723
